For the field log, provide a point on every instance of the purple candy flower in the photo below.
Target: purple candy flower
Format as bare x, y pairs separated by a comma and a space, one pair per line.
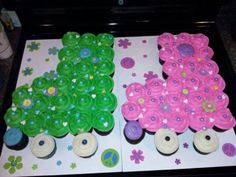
137, 156
124, 43
150, 75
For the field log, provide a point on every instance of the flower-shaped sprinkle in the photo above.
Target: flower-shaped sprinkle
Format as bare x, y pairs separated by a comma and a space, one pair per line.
53, 51
137, 156
124, 43
13, 164
33, 46
27, 71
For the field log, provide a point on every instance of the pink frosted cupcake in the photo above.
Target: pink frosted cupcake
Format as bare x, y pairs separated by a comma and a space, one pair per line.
131, 110
224, 119
174, 85
200, 40
183, 38
192, 82
174, 99
170, 68
155, 86
151, 121
152, 101
196, 99
216, 83
190, 65
167, 54
200, 121
207, 68
165, 40
221, 99
177, 122
205, 53
135, 91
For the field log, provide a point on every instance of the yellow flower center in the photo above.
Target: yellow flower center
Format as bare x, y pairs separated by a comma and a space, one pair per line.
51, 90
184, 74
141, 100
208, 106
27, 102
185, 91
90, 77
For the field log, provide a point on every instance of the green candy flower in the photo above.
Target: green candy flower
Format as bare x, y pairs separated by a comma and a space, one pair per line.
13, 164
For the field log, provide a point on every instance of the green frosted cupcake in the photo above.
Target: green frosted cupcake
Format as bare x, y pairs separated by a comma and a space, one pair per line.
105, 53
14, 116
88, 39
71, 39
105, 39
20, 94
104, 67
62, 83
103, 121
83, 85
103, 84
84, 68
33, 125
86, 52
41, 103
40, 84
61, 102
84, 102
105, 102
57, 126
65, 68
68, 54
80, 122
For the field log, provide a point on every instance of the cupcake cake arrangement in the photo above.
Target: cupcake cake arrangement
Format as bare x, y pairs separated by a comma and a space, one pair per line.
191, 97
77, 99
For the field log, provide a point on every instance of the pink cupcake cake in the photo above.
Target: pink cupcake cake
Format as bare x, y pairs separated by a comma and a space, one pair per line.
190, 97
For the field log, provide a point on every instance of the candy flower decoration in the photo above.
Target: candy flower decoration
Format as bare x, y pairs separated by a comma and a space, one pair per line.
77, 98
191, 96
